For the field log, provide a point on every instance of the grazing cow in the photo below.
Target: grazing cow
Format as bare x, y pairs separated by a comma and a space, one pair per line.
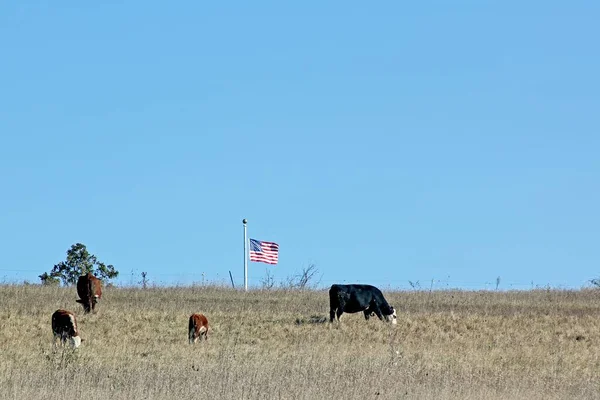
356, 298
89, 289
64, 326
198, 326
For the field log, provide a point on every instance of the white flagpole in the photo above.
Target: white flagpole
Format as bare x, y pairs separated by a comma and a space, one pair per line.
244, 221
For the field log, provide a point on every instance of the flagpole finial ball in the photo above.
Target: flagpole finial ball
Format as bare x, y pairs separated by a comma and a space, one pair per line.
244, 221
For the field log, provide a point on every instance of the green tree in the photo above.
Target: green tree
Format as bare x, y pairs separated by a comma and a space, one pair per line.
49, 280
79, 262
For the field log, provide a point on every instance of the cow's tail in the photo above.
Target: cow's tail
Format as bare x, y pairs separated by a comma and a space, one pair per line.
90, 298
333, 303
90, 284
191, 329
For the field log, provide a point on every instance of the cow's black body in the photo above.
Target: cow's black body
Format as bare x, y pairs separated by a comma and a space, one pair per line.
356, 298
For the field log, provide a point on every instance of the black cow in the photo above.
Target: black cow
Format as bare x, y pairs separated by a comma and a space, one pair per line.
356, 298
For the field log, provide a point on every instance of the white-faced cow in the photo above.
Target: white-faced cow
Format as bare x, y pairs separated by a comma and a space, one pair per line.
64, 327
357, 298
198, 326
89, 289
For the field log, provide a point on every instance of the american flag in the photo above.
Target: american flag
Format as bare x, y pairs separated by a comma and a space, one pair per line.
266, 252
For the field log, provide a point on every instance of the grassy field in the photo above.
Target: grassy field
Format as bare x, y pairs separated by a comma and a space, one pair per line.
275, 344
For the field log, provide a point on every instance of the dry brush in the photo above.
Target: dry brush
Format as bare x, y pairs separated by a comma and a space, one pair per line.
277, 344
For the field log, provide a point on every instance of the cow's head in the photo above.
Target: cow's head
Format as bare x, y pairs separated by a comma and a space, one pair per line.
391, 317
75, 341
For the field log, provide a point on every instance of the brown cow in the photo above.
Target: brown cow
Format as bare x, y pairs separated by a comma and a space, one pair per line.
198, 326
64, 327
89, 289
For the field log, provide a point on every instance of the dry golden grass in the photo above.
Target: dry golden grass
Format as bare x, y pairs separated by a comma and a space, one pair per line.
272, 344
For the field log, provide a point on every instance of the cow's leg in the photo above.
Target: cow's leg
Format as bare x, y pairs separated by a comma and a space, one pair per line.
367, 313
83, 304
86, 305
339, 313
377, 312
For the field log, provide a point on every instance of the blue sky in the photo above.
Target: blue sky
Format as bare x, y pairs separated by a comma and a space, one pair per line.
385, 143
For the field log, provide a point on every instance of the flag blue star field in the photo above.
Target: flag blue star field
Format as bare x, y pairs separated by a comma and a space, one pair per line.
267, 252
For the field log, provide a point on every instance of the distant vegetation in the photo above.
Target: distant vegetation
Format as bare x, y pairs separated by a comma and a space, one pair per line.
79, 262
265, 344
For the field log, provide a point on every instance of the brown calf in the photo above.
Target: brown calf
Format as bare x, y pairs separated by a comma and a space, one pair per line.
89, 289
198, 326
64, 326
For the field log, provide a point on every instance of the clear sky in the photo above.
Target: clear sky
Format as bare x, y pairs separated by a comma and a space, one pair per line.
387, 142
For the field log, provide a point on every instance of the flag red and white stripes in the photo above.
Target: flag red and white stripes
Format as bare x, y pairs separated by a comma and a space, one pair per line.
267, 252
